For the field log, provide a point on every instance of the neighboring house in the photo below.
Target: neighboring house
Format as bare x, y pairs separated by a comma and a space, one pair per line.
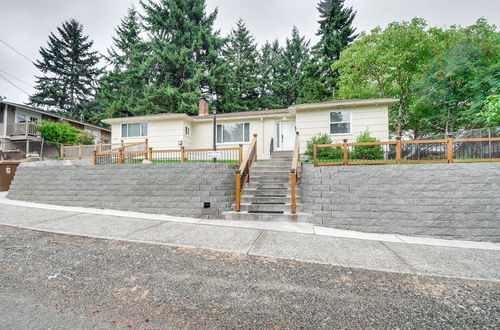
17, 129
344, 119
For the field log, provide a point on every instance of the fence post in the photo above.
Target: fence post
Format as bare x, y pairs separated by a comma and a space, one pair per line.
120, 156
62, 151
240, 150
238, 190
315, 156
182, 154
95, 157
450, 148
79, 151
147, 146
398, 149
150, 154
346, 152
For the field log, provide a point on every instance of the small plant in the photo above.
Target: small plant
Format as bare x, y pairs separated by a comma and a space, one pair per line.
325, 154
85, 138
367, 152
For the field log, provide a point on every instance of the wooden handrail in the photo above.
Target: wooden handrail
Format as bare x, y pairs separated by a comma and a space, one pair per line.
294, 172
446, 155
243, 172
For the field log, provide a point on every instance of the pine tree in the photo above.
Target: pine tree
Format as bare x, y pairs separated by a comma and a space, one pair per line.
184, 56
69, 69
336, 33
241, 55
270, 76
295, 58
121, 89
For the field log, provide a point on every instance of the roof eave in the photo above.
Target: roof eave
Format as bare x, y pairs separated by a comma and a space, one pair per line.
318, 106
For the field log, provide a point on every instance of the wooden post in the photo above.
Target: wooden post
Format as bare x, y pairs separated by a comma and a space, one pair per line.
256, 149
315, 155
238, 190
398, 149
147, 146
95, 157
346, 152
150, 154
293, 182
79, 151
120, 156
62, 151
240, 155
182, 154
248, 165
450, 148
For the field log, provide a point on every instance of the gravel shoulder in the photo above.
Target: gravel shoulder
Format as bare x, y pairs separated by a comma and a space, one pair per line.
93, 283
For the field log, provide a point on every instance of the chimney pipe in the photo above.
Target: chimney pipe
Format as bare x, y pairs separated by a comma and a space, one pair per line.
203, 108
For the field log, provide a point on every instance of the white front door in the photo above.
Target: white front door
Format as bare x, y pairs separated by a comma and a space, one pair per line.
285, 135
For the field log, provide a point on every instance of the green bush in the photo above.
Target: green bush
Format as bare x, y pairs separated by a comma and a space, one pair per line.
332, 154
60, 133
367, 152
85, 138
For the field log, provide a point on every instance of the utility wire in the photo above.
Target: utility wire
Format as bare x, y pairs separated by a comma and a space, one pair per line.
18, 52
10, 82
12, 76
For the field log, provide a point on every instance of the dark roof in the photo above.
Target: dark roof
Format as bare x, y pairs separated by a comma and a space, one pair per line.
48, 113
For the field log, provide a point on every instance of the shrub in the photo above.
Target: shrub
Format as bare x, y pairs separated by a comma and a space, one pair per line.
367, 152
60, 133
333, 153
85, 137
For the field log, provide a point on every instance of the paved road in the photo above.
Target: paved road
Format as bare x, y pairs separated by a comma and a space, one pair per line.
62, 280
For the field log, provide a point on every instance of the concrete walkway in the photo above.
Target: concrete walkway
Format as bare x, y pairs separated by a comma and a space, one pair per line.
295, 241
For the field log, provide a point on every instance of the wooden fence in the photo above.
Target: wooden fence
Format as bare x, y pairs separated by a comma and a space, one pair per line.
183, 155
87, 151
448, 150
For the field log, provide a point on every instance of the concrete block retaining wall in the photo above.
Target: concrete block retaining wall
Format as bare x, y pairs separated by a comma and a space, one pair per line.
441, 200
173, 189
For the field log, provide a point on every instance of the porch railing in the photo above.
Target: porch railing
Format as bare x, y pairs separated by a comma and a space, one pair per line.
447, 150
23, 129
243, 173
294, 172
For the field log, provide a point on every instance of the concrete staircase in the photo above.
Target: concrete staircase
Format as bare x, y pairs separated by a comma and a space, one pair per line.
268, 195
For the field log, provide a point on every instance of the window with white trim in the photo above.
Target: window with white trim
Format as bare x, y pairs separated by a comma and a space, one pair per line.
233, 133
134, 130
340, 122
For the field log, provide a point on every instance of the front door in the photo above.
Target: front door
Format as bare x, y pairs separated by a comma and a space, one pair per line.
285, 135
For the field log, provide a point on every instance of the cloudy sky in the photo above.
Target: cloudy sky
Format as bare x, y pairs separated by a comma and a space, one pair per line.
27, 23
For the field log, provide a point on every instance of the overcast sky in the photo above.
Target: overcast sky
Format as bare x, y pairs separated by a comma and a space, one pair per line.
25, 24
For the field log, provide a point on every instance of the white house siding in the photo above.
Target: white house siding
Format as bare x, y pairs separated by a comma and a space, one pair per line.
264, 127
312, 123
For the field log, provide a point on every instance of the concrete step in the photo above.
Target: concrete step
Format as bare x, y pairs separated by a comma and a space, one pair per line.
285, 217
266, 207
271, 169
269, 179
253, 199
273, 163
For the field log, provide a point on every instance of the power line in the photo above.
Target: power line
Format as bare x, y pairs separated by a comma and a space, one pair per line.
10, 82
18, 52
12, 76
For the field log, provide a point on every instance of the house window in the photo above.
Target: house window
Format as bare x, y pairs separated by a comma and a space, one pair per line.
187, 131
233, 133
340, 122
134, 130
1, 115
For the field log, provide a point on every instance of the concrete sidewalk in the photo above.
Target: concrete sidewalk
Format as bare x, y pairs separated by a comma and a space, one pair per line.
299, 241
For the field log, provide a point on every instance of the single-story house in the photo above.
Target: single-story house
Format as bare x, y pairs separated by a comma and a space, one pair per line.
16, 134
275, 129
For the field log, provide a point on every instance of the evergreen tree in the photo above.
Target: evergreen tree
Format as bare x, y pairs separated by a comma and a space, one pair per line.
336, 33
70, 71
185, 55
241, 55
270, 76
121, 89
295, 59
